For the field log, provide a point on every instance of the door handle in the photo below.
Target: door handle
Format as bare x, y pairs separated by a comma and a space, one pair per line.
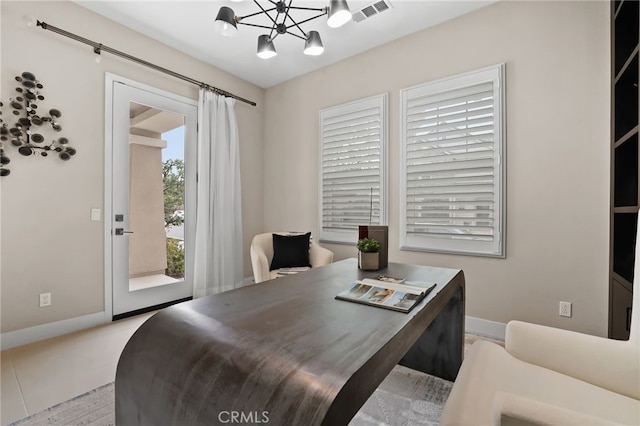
121, 231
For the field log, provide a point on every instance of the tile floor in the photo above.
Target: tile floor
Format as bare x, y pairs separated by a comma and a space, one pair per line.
41, 374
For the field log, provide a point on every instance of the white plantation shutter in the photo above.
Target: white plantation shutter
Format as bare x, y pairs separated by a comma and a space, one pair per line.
452, 170
352, 168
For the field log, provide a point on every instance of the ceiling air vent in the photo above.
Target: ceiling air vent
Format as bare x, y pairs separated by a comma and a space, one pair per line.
371, 10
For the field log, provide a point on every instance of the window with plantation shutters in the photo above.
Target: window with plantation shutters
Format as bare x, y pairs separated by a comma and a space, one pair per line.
352, 168
452, 173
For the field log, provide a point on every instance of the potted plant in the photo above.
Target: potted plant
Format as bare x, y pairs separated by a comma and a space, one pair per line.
368, 254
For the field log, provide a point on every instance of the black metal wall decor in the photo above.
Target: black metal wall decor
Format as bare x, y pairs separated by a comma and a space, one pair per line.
26, 132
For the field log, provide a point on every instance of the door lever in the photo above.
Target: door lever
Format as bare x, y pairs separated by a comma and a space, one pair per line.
121, 231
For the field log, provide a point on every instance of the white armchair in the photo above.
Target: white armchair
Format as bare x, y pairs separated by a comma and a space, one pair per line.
262, 254
548, 376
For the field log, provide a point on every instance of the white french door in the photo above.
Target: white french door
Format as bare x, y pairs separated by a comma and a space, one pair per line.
151, 217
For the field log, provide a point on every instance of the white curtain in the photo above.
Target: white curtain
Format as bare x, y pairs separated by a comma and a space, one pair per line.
218, 263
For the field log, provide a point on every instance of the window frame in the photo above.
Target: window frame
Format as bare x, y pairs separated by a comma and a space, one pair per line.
497, 247
381, 101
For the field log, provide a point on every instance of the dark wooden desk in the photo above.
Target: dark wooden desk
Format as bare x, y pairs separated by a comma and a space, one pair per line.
285, 351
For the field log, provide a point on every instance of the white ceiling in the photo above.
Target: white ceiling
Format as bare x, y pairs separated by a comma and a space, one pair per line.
188, 27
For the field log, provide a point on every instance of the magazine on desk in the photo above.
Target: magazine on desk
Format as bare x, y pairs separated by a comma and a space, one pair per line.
385, 294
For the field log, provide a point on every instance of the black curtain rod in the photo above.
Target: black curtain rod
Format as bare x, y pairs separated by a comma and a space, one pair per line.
98, 48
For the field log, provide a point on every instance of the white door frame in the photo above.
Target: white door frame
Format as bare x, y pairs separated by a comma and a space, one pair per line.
110, 81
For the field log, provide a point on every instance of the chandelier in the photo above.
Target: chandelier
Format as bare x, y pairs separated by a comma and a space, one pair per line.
282, 22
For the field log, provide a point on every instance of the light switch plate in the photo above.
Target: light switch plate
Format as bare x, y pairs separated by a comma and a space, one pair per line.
95, 215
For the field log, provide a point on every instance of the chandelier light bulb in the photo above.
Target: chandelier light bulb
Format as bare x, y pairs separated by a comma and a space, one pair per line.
225, 22
339, 13
266, 49
313, 46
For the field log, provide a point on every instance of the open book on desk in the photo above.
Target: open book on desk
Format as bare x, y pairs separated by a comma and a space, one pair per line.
398, 297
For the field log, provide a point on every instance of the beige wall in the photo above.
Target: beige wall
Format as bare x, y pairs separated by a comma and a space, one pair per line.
557, 82
557, 57
48, 242
148, 243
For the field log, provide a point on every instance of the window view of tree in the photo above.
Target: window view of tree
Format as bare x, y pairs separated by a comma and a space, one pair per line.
175, 258
173, 188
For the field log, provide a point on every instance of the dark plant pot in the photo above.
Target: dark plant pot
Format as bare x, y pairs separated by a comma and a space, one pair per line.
368, 261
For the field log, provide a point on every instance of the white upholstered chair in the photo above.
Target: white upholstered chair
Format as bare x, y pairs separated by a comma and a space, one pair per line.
549, 376
262, 255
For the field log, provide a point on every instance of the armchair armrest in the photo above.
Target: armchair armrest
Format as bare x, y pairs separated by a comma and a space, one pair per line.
260, 266
515, 410
319, 256
607, 363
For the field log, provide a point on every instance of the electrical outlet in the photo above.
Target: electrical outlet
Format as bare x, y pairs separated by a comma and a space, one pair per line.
565, 309
45, 299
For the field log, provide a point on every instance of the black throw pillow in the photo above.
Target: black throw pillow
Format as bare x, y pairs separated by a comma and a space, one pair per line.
290, 251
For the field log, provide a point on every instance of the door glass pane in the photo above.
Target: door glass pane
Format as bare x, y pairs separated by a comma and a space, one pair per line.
173, 188
156, 197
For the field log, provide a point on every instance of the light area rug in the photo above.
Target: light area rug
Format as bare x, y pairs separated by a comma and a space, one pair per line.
405, 397
94, 408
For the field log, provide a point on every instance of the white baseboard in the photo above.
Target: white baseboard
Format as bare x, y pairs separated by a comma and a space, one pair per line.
485, 328
12, 339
